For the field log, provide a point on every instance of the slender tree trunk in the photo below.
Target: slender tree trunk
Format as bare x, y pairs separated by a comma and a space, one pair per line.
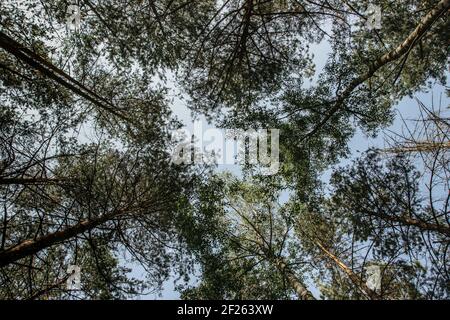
424, 146
277, 261
391, 56
29, 247
425, 226
49, 70
357, 281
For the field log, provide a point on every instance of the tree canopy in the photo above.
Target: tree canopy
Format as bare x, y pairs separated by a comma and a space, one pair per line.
87, 122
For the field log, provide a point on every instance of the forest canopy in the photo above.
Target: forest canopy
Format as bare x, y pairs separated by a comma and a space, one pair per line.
89, 96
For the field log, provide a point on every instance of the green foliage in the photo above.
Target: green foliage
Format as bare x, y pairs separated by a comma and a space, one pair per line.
85, 139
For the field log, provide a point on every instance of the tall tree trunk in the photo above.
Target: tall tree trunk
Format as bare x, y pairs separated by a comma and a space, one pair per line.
357, 281
404, 220
423, 146
302, 292
29, 247
51, 71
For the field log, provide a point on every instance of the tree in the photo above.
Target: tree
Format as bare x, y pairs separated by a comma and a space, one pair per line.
385, 204
252, 254
112, 191
86, 175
